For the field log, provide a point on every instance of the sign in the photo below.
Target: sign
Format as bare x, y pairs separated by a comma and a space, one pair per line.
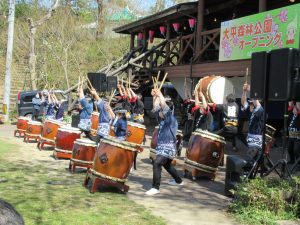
265, 31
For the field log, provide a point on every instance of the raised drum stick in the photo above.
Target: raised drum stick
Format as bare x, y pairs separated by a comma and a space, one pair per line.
163, 81
247, 72
153, 80
157, 78
113, 93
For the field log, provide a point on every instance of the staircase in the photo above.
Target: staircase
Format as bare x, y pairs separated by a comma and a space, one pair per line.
18, 73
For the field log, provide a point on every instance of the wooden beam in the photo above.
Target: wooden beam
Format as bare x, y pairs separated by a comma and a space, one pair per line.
132, 37
262, 6
200, 24
198, 56
184, 51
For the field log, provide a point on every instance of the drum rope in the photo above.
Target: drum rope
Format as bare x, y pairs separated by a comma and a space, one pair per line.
200, 166
34, 135
46, 139
108, 177
61, 150
81, 161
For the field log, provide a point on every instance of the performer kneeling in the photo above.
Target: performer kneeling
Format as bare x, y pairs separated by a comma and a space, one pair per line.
120, 125
166, 142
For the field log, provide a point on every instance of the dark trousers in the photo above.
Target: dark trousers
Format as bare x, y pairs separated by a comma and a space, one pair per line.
229, 133
166, 163
91, 137
294, 149
188, 129
35, 114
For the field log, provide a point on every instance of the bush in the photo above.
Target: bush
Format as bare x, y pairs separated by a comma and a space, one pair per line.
263, 201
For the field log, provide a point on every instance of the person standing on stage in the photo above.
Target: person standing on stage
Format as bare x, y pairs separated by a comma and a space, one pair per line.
229, 118
256, 122
202, 115
294, 131
166, 142
86, 109
137, 107
105, 115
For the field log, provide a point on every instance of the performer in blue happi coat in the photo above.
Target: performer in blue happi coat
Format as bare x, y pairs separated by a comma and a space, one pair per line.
166, 142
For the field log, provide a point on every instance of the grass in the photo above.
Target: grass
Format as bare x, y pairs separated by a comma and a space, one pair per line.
53, 196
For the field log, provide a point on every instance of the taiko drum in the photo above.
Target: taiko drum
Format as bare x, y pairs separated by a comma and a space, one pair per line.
113, 159
34, 128
204, 153
22, 124
50, 129
95, 121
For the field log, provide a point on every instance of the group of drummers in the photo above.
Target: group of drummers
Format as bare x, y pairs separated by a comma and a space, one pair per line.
199, 117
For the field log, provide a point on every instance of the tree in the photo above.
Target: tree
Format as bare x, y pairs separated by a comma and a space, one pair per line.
32, 31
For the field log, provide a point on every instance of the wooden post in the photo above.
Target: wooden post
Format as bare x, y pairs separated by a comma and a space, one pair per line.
262, 6
132, 37
145, 44
168, 37
200, 23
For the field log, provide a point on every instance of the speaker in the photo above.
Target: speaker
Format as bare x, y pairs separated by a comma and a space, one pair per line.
259, 72
236, 167
282, 73
112, 83
98, 80
75, 120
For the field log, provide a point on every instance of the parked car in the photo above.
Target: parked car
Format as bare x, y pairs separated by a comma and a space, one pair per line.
24, 103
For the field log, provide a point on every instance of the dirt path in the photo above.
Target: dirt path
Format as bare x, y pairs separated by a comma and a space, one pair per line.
201, 202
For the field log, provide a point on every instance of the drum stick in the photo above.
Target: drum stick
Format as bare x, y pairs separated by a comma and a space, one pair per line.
153, 80
247, 72
89, 82
157, 78
163, 81
113, 93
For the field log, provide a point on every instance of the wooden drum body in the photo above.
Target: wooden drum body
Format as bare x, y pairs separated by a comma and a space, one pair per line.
83, 154
216, 88
50, 130
135, 133
153, 143
95, 122
34, 130
204, 153
113, 159
22, 125
64, 141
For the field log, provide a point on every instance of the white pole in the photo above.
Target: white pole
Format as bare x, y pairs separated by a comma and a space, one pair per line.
10, 40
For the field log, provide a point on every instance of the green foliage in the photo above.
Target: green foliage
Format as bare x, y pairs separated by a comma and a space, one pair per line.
263, 201
47, 194
22, 10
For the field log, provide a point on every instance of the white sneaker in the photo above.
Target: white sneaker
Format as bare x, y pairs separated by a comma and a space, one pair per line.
173, 182
152, 191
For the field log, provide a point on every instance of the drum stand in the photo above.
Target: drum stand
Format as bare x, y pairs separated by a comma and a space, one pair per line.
96, 181
73, 164
27, 136
20, 132
42, 142
62, 154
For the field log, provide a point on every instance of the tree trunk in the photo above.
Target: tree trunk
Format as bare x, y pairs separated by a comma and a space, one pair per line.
100, 19
32, 58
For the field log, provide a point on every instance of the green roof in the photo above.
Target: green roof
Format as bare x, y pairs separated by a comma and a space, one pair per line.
123, 15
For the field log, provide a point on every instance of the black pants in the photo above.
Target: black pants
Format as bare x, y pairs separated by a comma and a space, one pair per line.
91, 137
229, 133
166, 163
294, 149
188, 129
35, 114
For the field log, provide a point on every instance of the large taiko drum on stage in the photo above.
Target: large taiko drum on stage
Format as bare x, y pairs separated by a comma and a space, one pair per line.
34, 128
114, 159
22, 125
83, 153
95, 122
50, 130
153, 143
204, 153
64, 141
216, 88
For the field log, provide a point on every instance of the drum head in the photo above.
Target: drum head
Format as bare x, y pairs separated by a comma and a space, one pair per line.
70, 129
219, 88
207, 134
85, 141
35, 123
95, 113
136, 125
55, 122
24, 118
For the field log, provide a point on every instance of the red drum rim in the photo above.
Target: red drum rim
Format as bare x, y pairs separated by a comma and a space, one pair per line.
23, 118
55, 122
207, 134
85, 142
132, 124
122, 144
34, 123
70, 129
